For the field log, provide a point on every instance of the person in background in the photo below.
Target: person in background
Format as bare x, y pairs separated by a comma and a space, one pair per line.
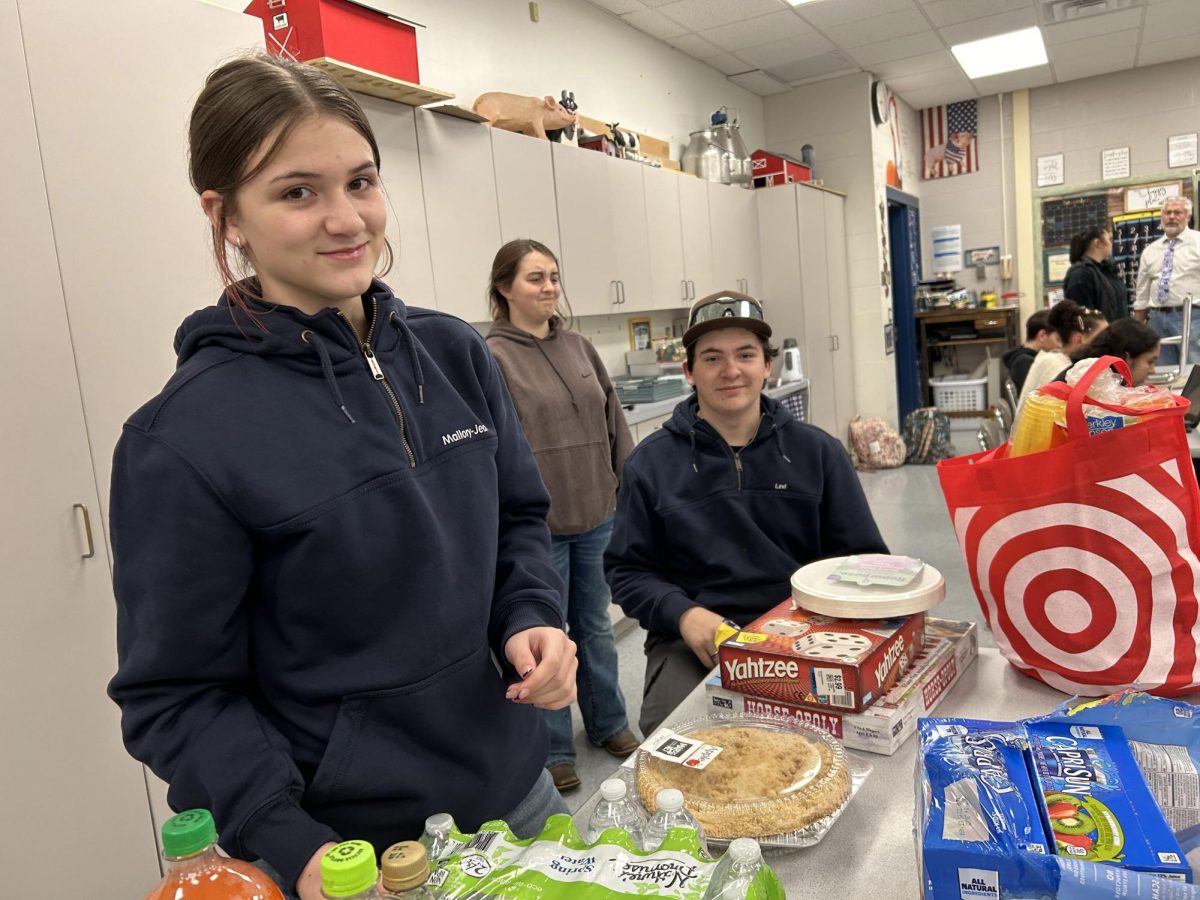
1038, 336
1168, 276
328, 527
721, 505
1133, 341
1075, 326
576, 427
1092, 281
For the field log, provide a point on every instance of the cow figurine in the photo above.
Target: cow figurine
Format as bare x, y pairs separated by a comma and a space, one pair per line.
570, 133
526, 115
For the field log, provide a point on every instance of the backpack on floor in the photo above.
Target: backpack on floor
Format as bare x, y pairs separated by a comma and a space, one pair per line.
875, 445
927, 436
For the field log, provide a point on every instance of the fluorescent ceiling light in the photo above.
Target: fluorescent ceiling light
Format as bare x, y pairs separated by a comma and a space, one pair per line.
799, 2
1001, 53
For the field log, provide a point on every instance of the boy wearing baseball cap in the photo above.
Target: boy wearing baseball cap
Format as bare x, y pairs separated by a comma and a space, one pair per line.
719, 507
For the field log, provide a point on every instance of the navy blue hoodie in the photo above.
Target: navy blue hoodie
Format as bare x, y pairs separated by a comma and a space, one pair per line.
318, 550
697, 526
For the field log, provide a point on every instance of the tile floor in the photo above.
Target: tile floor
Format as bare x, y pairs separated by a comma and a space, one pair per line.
908, 506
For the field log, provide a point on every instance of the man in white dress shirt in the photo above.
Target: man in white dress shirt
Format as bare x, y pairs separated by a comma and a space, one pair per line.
1168, 276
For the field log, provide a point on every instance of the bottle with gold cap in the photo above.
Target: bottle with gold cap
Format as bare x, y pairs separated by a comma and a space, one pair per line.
405, 870
196, 871
348, 872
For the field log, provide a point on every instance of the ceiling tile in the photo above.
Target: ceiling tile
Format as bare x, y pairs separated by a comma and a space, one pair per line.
923, 99
760, 83
914, 65
1153, 52
886, 51
954, 81
657, 2
1013, 20
757, 31
1118, 46
951, 12
1035, 76
727, 63
843, 12
877, 28
654, 23
778, 53
1090, 26
1171, 19
694, 45
619, 6
1090, 66
699, 15
813, 67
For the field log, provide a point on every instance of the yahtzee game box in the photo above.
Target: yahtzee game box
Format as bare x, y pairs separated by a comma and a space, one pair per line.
793, 656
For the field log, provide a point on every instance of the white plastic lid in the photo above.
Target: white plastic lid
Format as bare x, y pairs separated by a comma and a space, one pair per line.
744, 850
613, 789
670, 799
812, 590
439, 822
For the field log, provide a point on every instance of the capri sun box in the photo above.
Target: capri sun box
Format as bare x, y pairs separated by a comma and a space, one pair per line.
793, 656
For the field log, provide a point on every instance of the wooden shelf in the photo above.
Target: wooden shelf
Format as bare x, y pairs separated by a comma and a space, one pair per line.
365, 82
457, 112
968, 342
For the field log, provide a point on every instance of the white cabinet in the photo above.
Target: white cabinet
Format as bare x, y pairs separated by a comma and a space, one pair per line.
697, 237
75, 802
411, 276
664, 221
602, 224
460, 209
733, 219
644, 429
803, 250
525, 188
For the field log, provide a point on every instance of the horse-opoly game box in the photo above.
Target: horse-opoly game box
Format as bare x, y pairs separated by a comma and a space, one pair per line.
884, 726
793, 656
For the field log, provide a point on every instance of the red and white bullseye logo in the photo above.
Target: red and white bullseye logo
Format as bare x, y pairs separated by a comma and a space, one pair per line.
1087, 594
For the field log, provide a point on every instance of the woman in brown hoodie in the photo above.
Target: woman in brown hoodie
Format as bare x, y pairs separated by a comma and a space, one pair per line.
576, 427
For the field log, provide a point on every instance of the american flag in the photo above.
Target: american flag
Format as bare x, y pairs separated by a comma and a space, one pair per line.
948, 136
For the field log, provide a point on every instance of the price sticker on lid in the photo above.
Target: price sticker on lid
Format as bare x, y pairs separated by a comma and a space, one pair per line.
675, 748
878, 568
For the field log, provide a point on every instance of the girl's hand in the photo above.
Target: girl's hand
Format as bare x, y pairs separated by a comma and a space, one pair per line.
545, 659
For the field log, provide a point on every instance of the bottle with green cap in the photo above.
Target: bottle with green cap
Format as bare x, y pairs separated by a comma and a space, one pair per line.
196, 871
349, 872
405, 870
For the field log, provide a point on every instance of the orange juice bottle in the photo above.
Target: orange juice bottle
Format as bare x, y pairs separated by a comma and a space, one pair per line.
1035, 430
196, 871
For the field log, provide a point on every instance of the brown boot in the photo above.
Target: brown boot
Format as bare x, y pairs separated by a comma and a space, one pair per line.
623, 744
565, 777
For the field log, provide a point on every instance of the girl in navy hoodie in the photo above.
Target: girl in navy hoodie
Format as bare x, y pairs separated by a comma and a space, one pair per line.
337, 612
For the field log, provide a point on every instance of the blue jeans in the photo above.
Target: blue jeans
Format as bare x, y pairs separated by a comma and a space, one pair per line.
1169, 322
579, 561
525, 821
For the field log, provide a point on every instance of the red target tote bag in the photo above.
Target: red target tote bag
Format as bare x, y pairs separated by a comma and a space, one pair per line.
1084, 557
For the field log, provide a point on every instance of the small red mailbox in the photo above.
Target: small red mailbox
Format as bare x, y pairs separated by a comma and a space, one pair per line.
342, 30
769, 169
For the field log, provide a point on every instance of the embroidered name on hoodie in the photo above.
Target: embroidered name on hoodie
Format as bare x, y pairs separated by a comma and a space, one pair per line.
463, 433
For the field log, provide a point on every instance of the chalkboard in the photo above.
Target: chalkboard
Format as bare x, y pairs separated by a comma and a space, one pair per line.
1065, 217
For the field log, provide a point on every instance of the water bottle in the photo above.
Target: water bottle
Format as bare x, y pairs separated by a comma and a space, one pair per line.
405, 869
617, 810
348, 872
737, 868
670, 814
436, 838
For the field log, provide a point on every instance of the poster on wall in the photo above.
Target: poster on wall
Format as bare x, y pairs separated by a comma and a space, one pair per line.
1114, 163
949, 139
1050, 170
947, 248
1181, 150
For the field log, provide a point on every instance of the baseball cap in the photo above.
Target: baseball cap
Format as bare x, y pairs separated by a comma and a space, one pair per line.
725, 309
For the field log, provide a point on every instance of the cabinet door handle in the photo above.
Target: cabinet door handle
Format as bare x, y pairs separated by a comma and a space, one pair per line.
616, 292
834, 343
621, 290
691, 289
683, 285
87, 531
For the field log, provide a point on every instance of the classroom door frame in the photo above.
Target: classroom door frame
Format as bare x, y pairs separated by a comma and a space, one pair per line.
904, 249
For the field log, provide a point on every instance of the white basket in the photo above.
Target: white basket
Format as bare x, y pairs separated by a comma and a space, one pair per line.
959, 393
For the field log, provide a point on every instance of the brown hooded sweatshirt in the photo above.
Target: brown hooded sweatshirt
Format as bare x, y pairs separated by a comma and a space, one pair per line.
571, 416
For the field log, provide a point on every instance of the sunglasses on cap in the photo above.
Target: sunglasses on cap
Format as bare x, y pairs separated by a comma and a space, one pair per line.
725, 307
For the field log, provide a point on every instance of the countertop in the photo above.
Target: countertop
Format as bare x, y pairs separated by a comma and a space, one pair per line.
870, 850
641, 412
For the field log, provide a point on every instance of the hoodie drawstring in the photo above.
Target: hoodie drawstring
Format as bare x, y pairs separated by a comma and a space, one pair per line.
570, 393
692, 434
414, 359
311, 337
779, 442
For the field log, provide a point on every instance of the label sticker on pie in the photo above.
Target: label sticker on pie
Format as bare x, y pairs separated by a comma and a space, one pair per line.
685, 751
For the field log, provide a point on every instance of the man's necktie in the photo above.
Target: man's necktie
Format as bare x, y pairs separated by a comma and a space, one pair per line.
1164, 280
